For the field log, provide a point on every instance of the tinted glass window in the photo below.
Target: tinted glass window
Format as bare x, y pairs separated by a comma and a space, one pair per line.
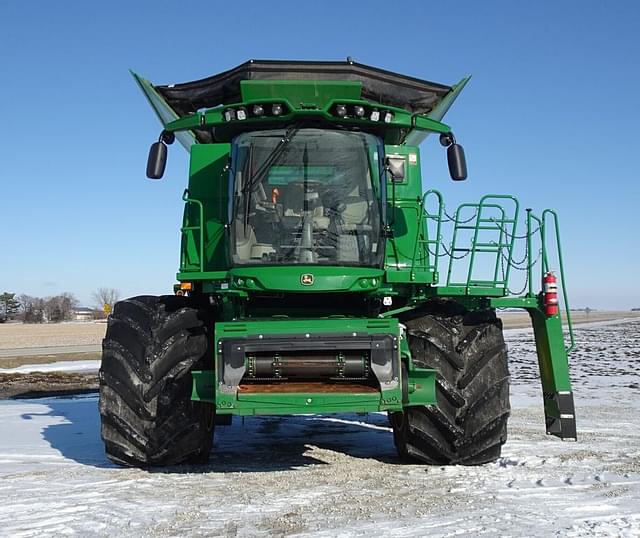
306, 196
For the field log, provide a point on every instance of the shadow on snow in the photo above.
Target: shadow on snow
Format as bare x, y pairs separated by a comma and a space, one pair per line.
250, 444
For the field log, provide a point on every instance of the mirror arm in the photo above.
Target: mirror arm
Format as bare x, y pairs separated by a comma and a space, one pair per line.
447, 139
168, 137
392, 224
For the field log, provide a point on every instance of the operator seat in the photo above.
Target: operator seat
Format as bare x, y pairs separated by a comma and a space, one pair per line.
356, 211
354, 229
245, 240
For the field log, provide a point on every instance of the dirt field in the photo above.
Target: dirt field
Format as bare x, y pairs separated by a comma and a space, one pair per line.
61, 337
19, 335
65, 335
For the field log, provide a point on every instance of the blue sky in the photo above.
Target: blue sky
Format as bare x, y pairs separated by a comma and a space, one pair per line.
551, 115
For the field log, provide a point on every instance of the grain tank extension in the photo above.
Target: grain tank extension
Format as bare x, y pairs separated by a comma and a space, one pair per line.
316, 275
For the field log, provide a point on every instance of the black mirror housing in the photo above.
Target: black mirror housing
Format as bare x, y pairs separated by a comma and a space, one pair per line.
457, 162
157, 160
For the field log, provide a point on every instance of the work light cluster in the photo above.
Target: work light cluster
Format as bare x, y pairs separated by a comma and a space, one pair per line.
254, 111
362, 112
279, 109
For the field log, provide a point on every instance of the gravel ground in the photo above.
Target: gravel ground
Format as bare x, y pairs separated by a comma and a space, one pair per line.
39, 384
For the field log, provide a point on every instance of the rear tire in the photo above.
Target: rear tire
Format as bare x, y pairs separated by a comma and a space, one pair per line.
468, 426
148, 418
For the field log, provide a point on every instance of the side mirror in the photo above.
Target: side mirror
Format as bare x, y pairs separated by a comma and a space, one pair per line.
157, 160
455, 157
395, 166
457, 162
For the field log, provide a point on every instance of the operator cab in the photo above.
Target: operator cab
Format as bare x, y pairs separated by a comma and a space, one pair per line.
304, 195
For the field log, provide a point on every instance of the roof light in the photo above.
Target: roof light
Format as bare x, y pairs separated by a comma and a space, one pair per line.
276, 109
229, 114
242, 113
388, 117
258, 110
358, 111
341, 110
375, 115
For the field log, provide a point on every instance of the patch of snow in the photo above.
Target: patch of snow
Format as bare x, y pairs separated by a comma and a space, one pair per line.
60, 366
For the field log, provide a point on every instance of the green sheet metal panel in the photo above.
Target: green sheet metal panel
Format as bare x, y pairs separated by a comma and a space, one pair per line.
208, 184
295, 403
404, 203
301, 94
319, 279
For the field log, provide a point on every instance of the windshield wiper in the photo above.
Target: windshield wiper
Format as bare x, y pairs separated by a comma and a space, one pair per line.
264, 167
269, 160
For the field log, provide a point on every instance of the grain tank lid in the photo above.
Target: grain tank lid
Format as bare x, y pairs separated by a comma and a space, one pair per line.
384, 87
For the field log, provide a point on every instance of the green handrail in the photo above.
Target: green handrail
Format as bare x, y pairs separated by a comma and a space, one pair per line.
506, 238
553, 214
476, 227
545, 266
423, 227
199, 227
505, 224
531, 217
503, 232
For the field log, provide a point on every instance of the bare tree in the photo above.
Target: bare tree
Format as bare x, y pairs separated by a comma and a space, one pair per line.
32, 309
106, 296
49, 309
60, 307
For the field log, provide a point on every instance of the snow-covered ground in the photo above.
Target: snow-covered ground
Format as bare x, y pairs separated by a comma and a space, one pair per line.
339, 475
59, 366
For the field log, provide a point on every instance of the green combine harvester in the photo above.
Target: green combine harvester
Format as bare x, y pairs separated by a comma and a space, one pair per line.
316, 276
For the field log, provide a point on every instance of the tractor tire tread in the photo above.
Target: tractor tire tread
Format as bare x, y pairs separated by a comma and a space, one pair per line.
468, 425
148, 418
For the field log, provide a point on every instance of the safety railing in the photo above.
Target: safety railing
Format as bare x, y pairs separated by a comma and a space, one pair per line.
188, 230
502, 223
424, 259
542, 228
488, 229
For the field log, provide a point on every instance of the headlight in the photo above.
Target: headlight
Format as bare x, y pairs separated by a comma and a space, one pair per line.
341, 110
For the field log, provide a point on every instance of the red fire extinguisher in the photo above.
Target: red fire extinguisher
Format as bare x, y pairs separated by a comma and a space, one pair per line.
550, 297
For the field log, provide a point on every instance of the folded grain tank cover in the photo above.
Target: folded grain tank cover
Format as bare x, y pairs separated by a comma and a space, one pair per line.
378, 85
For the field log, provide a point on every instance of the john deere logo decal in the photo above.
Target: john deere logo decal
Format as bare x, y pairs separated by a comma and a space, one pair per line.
306, 279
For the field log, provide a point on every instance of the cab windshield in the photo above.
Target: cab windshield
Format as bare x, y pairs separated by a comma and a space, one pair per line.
307, 196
